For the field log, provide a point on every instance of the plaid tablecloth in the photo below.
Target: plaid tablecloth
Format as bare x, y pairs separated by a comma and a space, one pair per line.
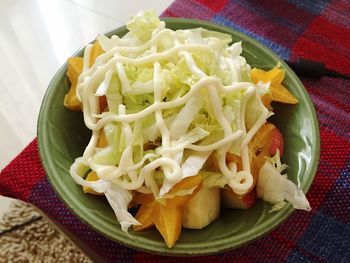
318, 30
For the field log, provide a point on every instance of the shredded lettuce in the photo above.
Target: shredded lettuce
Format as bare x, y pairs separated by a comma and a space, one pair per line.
225, 39
213, 179
190, 167
192, 136
194, 163
276, 162
113, 94
274, 188
184, 118
182, 192
117, 196
254, 110
143, 25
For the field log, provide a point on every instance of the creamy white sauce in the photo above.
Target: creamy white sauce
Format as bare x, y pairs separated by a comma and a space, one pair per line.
102, 88
244, 150
94, 82
204, 148
86, 59
239, 182
122, 77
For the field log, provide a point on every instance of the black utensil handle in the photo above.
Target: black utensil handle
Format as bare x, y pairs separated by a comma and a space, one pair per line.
314, 69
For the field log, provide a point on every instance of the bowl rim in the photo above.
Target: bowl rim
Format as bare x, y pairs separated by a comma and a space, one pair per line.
203, 249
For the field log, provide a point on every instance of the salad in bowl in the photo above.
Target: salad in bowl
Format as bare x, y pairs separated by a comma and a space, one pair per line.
179, 127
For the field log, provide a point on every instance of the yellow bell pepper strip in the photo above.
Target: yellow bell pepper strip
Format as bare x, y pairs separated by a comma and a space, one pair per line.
278, 92
166, 214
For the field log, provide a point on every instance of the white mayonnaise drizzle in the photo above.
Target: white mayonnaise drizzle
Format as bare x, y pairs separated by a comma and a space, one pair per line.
242, 181
86, 59
86, 65
94, 82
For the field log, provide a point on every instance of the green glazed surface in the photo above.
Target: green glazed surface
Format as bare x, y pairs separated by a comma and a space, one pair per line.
63, 136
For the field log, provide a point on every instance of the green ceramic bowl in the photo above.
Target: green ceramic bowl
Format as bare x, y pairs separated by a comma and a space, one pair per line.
63, 136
